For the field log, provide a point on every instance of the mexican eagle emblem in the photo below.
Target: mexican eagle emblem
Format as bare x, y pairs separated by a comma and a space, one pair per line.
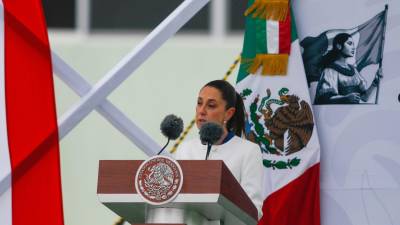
280, 126
159, 180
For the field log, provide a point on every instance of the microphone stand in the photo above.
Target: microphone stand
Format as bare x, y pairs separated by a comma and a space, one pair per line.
208, 150
163, 147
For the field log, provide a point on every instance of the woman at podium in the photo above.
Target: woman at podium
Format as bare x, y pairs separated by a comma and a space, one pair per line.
218, 102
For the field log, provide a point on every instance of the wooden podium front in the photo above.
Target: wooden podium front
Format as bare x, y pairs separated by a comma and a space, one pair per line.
209, 189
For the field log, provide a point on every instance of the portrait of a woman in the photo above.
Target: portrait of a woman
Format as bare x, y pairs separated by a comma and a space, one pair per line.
341, 82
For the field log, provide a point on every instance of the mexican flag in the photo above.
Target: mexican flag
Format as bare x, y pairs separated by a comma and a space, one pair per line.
30, 182
368, 39
280, 120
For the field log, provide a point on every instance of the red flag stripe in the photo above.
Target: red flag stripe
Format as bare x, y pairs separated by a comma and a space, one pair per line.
284, 35
296, 203
31, 117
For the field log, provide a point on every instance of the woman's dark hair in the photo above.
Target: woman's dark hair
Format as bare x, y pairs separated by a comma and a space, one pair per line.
334, 54
233, 99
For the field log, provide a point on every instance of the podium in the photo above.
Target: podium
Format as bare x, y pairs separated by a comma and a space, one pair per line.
209, 192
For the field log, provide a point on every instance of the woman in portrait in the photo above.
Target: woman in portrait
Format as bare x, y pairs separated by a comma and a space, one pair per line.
340, 82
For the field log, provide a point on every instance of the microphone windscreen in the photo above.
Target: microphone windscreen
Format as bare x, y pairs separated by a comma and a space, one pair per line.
171, 127
210, 133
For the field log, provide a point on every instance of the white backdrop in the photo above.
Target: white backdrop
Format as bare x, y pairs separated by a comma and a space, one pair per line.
360, 144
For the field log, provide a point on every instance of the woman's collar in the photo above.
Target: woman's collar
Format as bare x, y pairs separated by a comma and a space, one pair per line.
228, 137
345, 71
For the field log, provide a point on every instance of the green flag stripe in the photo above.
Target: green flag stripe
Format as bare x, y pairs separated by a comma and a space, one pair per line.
249, 45
293, 26
261, 36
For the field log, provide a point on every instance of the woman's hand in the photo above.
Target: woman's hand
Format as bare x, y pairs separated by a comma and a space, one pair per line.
353, 98
377, 78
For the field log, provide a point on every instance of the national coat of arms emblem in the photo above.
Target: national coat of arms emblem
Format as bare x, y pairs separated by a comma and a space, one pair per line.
280, 127
159, 180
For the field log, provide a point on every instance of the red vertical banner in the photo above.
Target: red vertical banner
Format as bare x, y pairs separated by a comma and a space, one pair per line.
31, 116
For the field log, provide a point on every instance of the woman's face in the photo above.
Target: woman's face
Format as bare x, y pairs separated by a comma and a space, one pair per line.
348, 48
211, 107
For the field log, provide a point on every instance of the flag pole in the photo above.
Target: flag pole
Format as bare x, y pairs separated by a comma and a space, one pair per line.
383, 45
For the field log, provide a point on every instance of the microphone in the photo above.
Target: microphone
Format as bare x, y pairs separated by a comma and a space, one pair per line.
171, 127
210, 133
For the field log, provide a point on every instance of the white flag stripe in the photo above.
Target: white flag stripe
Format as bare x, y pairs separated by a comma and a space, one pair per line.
272, 36
5, 166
